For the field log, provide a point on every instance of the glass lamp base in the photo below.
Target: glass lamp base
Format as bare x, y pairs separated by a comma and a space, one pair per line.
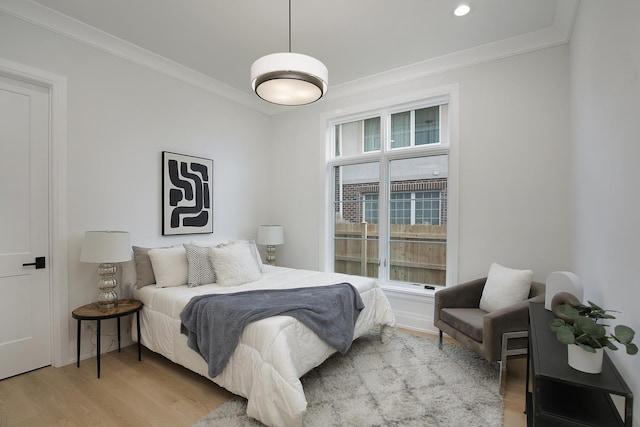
108, 297
271, 254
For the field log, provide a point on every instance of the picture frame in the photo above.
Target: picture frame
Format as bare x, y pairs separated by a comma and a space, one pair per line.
187, 194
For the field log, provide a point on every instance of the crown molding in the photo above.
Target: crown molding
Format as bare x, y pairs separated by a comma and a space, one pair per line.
557, 34
66, 26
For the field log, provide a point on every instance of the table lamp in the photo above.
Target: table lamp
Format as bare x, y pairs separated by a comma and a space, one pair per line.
106, 248
270, 235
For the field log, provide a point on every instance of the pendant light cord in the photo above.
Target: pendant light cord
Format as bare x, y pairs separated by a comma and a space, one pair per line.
289, 26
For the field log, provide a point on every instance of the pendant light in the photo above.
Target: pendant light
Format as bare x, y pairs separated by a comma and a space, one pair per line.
288, 78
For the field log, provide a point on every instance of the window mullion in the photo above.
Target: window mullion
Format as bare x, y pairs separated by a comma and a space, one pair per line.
412, 128
413, 208
383, 222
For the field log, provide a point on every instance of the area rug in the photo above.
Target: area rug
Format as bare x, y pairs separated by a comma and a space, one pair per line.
406, 382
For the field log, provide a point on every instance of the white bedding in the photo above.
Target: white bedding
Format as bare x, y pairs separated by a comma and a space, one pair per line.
272, 354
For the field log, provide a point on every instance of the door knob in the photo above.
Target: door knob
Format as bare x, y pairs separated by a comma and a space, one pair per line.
39, 263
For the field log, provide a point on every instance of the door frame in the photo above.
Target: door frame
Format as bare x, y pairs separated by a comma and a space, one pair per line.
58, 227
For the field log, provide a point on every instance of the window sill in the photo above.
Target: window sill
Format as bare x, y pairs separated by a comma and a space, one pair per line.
410, 290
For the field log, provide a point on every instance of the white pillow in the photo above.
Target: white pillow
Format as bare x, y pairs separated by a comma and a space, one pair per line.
170, 266
252, 243
235, 264
209, 243
504, 287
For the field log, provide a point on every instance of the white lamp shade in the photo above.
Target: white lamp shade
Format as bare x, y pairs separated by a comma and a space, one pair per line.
288, 78
270, 235
106, 247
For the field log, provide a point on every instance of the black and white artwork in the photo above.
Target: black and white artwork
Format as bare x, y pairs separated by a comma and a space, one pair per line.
187, 194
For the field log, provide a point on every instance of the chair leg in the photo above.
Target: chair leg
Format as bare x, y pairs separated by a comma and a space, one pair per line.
503, 363
505, 353
440, 340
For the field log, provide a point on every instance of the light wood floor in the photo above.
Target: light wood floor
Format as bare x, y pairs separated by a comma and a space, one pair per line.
154, 392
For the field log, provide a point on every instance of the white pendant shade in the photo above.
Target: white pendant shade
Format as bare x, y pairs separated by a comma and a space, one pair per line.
289, 78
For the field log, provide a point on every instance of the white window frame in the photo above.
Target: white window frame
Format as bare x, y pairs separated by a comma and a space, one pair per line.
448, 145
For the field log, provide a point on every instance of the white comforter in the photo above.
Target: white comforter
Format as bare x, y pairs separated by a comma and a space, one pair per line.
272, 354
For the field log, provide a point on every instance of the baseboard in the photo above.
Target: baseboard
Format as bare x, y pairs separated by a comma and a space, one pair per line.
414, 312
108, 343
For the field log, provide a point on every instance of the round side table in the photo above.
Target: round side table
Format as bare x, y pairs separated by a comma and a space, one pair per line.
91, 311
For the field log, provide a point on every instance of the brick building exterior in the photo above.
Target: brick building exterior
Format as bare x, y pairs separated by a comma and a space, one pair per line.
353, 196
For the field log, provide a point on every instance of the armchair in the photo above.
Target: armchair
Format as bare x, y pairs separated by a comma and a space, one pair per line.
458, 314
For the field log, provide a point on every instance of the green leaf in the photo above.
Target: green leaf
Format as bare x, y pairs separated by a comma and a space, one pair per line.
587, 348
624, 334
556, 323
569, 311
590, 327
565, 335
610, 345
632, 349
595, 306
582, 338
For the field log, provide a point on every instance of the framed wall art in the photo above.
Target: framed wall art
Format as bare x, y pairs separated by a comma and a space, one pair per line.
187, 194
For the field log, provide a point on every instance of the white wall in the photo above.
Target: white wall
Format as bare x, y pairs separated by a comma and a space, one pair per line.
605, 106
514, 161
514, 155
121, 116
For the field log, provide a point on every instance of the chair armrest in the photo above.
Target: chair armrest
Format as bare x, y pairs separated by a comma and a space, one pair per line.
538, 290
465, 295
507, 319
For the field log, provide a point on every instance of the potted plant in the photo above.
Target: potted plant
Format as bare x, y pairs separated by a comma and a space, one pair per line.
586, 337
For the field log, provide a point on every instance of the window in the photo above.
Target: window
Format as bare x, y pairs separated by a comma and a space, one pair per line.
400, 208
428, 207
416, 127
417, 207
390, 176
371, 208
357, 137
372, 134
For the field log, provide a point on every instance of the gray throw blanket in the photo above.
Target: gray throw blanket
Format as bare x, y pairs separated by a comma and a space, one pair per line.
213, 323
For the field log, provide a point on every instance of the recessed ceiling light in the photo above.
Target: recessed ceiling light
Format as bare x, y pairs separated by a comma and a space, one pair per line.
462, 10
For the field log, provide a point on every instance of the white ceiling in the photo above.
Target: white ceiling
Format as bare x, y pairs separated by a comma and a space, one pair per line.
356, 39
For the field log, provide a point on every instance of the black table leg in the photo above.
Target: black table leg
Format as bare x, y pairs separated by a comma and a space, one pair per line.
98, 347
139, 338
118, 334
78, 343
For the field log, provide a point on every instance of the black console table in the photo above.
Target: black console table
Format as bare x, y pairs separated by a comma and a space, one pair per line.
557, 394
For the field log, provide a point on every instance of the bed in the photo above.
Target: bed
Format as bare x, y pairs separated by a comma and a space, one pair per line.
272, 353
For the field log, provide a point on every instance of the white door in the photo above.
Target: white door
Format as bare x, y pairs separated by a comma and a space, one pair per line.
25, 310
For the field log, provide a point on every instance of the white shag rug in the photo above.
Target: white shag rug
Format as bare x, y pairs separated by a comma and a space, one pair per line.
406, 382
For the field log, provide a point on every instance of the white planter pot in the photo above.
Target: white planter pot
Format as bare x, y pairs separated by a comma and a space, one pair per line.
584, 361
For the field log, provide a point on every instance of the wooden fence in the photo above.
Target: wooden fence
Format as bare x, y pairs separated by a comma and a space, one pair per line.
418, 252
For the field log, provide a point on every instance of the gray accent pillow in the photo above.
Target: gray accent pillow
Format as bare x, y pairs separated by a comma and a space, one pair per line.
200, 267
144, 269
